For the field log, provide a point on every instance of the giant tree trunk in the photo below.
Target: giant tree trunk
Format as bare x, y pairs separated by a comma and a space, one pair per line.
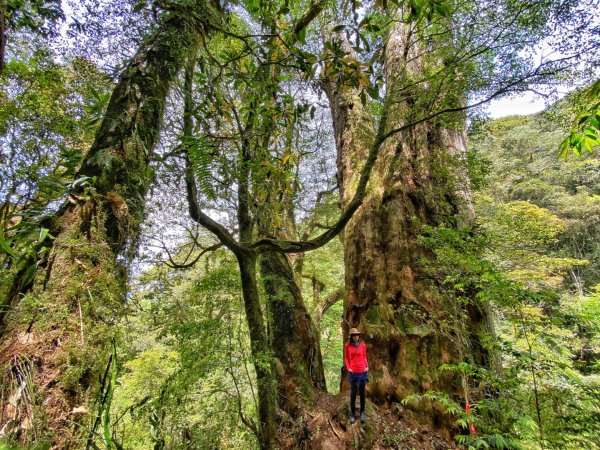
57, 340
355, 134
419, 179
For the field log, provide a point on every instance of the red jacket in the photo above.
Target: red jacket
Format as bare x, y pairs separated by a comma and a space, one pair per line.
355, 358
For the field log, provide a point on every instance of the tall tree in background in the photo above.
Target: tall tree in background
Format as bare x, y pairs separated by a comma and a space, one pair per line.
256, 139
294, 336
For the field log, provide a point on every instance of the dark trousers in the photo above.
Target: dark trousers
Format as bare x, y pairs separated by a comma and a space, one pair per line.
361, 390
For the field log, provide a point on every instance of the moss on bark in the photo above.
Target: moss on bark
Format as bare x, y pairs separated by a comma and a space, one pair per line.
294, 336
56, 342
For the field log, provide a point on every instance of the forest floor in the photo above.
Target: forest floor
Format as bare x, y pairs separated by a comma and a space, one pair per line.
325, 426
329, 428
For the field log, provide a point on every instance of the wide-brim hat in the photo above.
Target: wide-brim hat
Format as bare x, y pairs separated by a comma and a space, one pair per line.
353, 331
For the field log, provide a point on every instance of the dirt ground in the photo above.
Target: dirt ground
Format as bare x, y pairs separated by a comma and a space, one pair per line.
327, 427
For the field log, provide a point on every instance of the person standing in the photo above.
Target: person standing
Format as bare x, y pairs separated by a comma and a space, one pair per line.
355, 360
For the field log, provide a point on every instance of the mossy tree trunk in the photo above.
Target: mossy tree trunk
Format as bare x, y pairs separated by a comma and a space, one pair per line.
58, 336
295, 338
419, 179
261, 351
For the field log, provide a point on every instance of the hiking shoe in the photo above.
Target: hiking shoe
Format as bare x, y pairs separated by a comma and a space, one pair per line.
352, 419
363, 417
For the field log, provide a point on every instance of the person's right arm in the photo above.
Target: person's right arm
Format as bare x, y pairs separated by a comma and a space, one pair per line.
346, 359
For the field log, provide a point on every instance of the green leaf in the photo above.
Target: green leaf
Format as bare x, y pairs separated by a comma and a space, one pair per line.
583, 119
139, 6
564, 148
301, 36
373, 92
310, 58
442, 9
253, 5
589, 144
43, 234
6, 248
595, 90
28, 276
332, 46
200, 153
53, 185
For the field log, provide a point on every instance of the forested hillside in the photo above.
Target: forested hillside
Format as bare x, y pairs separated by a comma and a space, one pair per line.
539, 214
200, 199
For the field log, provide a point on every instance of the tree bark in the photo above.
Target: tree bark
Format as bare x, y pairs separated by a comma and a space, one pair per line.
3, 32
59, 334
354, 131
123, 146
294, 337
261, 351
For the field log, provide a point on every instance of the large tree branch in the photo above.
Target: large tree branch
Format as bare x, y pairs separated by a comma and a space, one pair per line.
174, 265
222, 234
329, 301
500, 91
